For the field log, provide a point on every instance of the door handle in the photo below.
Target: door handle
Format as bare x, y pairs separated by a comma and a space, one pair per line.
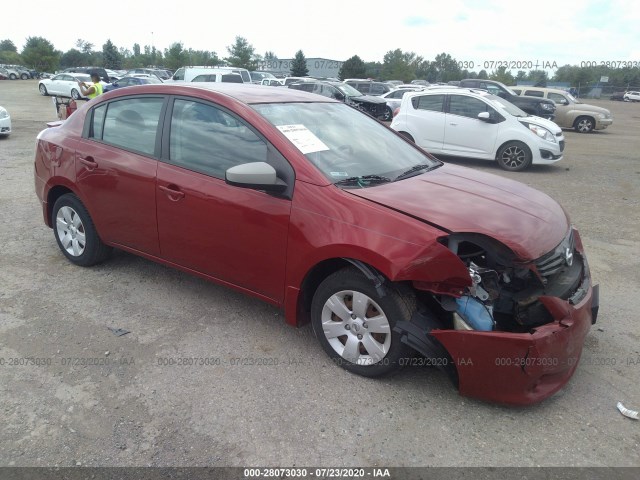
454, 124
172, 191
89, 162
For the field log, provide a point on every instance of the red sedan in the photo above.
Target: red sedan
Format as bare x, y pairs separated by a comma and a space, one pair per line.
318, 208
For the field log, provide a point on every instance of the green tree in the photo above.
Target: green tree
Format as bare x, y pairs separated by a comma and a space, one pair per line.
241, 54
72, 58
482, 75
8, 46
446, 68
84, 46
269, 56
136, 49
502, 75
538, 77
111, 58
299, 65
399, 65
9, 53
174, 57
353, 67
39, 53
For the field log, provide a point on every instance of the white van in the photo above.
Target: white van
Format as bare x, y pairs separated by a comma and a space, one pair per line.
187, 74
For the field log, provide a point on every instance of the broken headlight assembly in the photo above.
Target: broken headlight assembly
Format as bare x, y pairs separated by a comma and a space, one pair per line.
504, 291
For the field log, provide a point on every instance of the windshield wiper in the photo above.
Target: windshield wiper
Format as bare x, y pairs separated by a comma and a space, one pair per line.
415, 169
363, 181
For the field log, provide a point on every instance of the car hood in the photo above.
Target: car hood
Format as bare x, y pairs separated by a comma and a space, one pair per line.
367, 99
458, 199
542, 122
588, 108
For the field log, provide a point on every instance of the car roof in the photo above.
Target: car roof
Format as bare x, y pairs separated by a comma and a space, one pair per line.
245, 93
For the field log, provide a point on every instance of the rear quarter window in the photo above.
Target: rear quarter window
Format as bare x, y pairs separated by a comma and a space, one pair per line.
431, 103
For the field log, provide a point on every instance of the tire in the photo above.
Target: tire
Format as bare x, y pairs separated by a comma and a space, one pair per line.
43, 90
13, 76
24, 76
75, 232
351, 339
75, 94
388, 114
514, 156
584, 125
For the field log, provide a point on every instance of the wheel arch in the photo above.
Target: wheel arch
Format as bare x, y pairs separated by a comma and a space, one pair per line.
512, 140
52, 196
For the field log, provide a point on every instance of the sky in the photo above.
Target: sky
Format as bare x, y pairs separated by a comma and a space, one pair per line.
543, 31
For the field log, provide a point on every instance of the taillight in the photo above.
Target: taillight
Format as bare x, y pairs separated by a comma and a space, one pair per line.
396, 112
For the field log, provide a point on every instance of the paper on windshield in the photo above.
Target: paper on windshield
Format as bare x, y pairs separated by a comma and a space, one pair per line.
303, 138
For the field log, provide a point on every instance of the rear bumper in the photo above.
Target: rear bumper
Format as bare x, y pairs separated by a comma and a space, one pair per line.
523, 368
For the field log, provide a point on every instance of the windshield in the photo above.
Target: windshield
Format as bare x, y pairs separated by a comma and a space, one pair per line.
345, 144
505, 106
348, 90
257, 76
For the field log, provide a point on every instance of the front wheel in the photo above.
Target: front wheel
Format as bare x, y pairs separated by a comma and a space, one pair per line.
514, 156
75, 94
24, 76
584, 124
388, 114
43, 90
354, 323
75, 233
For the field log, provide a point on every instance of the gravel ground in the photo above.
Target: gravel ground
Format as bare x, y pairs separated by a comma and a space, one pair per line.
131, 410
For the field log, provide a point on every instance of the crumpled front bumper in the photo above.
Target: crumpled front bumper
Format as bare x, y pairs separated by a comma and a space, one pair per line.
523, 368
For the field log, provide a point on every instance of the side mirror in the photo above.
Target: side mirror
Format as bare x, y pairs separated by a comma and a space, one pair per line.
339, 96
563, 102
485, 117
256, 175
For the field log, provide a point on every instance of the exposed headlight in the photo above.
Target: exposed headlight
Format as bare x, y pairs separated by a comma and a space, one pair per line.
3, 113
542, 132
548, 106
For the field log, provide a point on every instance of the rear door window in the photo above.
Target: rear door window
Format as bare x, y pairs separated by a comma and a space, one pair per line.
432, 103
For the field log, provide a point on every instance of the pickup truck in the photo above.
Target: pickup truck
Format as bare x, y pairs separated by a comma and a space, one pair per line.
540, 107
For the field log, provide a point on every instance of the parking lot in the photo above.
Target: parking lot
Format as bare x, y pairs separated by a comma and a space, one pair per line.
207, 376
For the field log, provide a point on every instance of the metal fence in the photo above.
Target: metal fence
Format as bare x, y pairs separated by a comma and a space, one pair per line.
602, 90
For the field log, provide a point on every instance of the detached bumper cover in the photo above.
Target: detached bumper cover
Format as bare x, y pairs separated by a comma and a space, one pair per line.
522, 368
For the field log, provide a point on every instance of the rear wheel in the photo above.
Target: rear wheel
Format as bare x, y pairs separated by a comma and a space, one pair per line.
43, 90
75, 94
13, 76
354, 322
514, 156
75, 233
584, 124
25, 76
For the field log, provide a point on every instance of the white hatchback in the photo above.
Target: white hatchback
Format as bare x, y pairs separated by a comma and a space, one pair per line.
473, 123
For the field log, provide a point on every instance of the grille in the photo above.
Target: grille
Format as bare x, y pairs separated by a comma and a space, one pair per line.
557, 258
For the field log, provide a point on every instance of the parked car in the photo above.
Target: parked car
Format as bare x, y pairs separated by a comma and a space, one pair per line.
423, 83
368, 87
102, 73
374, 106
571, 112
617, 96
9, 73
159, 74
219, 76
632, 97
23, 72
314, 207
271, 82
476, 124
394, 83
5, 122
394, 99
258, 77
532, 105
286, 81
132, 81
65, 85
3, 75
187, 74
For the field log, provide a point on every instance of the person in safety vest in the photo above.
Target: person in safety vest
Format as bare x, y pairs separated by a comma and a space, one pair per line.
92, 90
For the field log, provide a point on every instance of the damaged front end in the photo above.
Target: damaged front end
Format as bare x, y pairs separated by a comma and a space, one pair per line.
515, 334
